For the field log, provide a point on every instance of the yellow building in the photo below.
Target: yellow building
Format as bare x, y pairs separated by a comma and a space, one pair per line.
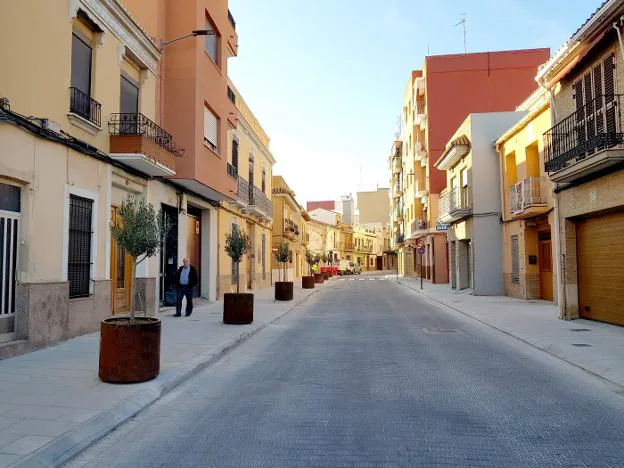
250, 163
290, 226
363, 248
94, 139
527, 204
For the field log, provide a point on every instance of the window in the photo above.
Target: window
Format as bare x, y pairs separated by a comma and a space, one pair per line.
211, 126
263, 180
79, 251
464, 177
211, 44
235, 154
515, 260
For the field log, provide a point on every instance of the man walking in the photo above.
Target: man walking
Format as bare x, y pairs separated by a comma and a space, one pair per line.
186, 281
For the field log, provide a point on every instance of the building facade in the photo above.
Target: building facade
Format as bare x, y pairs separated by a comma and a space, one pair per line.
529, 234
250, 163
468, 206
437, 99
290, 226
94, 141
583, 157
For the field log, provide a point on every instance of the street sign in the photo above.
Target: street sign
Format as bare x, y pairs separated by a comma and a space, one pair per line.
420, 244
421, 250
442, 227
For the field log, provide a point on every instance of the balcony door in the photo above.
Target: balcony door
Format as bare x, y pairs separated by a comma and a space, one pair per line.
251, 180
129, 106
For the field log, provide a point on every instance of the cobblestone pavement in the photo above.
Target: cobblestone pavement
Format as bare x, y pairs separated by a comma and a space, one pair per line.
368, 374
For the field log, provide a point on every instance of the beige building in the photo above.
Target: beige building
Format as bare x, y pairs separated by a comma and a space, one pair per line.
373, 209
583, 152
527, 203
290, 226
93, 141
250, 163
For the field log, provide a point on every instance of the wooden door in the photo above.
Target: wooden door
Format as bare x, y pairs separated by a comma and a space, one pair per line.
545, 266
121, 275
600, 256
193, 248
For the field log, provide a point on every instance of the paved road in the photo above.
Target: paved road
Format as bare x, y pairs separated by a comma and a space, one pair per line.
368, 374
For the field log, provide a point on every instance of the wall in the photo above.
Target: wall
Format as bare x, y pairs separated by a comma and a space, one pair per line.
457, 85
373, 207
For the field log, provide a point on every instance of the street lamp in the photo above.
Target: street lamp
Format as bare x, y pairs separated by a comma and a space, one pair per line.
194, 33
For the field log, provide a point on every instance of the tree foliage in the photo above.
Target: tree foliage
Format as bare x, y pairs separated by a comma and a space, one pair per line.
283, 256
139, 230
237, 244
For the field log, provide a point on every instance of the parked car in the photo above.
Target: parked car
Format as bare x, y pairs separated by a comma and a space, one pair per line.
346, 267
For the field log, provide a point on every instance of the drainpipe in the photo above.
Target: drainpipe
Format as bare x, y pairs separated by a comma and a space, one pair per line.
619, 33
559, 262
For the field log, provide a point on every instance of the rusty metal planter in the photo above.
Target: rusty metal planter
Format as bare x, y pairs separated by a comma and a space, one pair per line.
238, 308
318, 278
307, 282
283, 290
129, 350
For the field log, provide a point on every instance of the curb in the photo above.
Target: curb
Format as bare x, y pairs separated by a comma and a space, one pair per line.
70, 444
538, 347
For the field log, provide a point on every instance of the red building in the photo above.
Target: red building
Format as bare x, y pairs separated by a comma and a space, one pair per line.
325, 204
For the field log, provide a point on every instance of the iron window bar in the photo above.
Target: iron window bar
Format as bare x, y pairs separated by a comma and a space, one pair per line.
80, 103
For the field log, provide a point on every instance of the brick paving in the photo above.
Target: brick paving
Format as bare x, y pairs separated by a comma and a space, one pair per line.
369, 373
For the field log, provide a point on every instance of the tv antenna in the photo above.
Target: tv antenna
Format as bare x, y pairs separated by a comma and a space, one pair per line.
463, 24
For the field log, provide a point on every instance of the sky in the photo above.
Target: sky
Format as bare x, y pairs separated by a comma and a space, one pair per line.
326, 78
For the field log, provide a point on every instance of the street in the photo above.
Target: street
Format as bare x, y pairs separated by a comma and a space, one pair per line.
367, 373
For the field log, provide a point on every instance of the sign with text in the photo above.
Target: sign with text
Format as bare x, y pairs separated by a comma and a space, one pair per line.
442, 227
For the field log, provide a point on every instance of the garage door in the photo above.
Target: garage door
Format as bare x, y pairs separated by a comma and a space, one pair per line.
600, 245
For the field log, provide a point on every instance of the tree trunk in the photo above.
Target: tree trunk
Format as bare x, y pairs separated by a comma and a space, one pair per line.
238, 276
133, 288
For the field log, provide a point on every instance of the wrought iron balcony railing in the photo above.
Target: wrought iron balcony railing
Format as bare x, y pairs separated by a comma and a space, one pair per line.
419, 224
527, 193
83, 105
457, 200
138, 124
232, 171
243, 189
591, 128
261, 203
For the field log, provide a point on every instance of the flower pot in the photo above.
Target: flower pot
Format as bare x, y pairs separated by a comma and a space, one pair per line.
238, 308
326, 275
283, 290
129, 349
307, 282
318, 278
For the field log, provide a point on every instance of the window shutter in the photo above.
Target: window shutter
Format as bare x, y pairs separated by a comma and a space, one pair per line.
608, 66
235, 154
210, 128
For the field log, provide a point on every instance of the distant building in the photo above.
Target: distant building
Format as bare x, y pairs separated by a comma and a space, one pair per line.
373, 208
325, 204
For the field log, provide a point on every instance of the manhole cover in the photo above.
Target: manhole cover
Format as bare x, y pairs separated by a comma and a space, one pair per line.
581, 345
579, 329
439, 330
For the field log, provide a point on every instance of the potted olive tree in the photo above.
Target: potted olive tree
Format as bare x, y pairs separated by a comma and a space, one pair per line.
318, 276
237, 307
130, 345
326, 271
307, 282
283, 289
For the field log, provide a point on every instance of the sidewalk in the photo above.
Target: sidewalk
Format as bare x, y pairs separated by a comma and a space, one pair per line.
53, 405
593, 346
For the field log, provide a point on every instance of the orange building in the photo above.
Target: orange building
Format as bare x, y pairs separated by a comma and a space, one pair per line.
440, 98
196, 105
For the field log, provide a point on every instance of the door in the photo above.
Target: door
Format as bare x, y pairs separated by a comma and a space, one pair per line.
121, 275
251, 257
193, 245
379, 263
9, 229
545, 266
251, 181
600, 254
169, 257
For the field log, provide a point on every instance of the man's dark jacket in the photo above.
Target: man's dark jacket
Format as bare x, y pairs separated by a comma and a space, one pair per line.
192, 279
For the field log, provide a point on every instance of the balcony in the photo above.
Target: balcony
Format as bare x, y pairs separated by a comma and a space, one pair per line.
82, 105
291, 230
242, 192
399, 239
232, 171
588, 141
141, 144
398, 213
396, 192
529, 197
397, 165
231, 18
418, 228
455, 205
260, 205
305, 239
